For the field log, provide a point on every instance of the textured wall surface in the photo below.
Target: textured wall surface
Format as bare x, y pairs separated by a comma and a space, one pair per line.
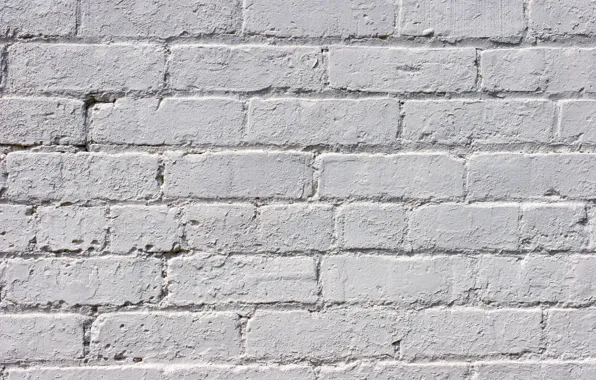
298, 189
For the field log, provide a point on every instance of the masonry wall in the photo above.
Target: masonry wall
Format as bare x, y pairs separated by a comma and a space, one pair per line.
298, 189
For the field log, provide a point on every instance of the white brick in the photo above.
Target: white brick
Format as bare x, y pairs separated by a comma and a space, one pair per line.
532, 176
207, 278
538, 69
578, 121
295, 227
328, 335
461, 122
31, 121
146, 18
379, 279
316, 18
246, 68
571, 333
108, 281
171, 121
87, 373
465, 227
32, 337
251, 372
167, 336
143, 228
511, 280
81, 176
71, 228
395, 371
85, 68
374, 69
554, 227
28, 18
469, 333
537, 371
254, 174
312, 122
16, 228
371, 225
500, 20
552, 18
412, 176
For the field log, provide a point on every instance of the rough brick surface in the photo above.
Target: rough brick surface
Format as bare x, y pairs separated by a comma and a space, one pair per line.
30, 18
71, 228
551, 18
395, 371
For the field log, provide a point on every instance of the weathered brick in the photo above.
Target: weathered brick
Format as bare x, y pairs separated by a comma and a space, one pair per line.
332, 334
32, 121
81, 176
374, 69
16, 228
552, 18
107, 281
532, 176
143, 228
250, 372
87, 373
371, 225
71, 228
406, 281
85, 68
537, 371
167, 336
28, 18
316, 18
207, 278
578, 121
570, 333
171, 121
146, 18
33, 337
461, 122
469, 333
254, 174
489, 226
394, 371
246, 68
410, 175
334, 122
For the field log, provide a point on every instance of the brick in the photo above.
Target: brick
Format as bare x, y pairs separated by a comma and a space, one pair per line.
461, 122
537, 69
250, 372
295, 227
87, 373
534, 279
395, 371
554, 227
532, 176
29, 18
469, 333
77, 68
143, 228
371, 225
71, 228
34, 121
81, 176
145, 18
315, 18
16, 228
207, 278
32, 337
374, 69
501, 20
578, 121
245, 68
424, 281
410, 175
171, 121
536, 371
487, 226
570, 333
215, 227
254, 174
97, 281
167, 336
332, 334
335, 122
550, 18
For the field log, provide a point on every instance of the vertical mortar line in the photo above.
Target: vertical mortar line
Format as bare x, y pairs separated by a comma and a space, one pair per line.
544, 330
243, 6
465, 181
315, 165
77, 17
246, 123
556, 127
397, 22
4, 68
166, 71
526, 16
478, 64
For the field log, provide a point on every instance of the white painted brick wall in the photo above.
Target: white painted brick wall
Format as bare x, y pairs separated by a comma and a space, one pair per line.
299, 189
